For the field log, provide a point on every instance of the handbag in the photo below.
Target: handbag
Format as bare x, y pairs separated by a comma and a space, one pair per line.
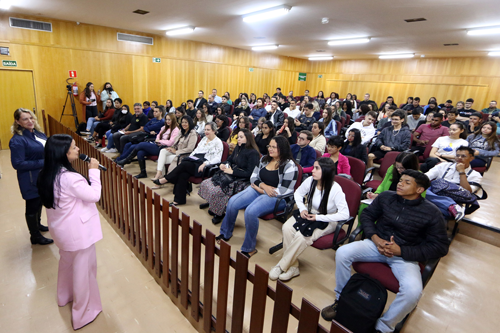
306, 227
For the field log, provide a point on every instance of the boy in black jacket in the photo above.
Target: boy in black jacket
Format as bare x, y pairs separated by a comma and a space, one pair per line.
409, 230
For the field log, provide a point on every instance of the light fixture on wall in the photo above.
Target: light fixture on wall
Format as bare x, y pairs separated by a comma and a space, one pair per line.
269, 13
397, 56
347, 41
5, 4
484, 31
321, 58
180, 31
494, 54
265, 47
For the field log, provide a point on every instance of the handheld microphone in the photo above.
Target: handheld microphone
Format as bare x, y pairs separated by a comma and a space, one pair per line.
85, 158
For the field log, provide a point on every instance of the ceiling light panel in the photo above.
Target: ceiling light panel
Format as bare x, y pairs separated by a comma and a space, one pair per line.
397, 56
267, 14
265, 47
180, 31
321, 58
6, 4
484, 31
348, 41
494, 54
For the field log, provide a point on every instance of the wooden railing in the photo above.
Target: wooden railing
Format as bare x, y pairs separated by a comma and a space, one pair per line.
162, 240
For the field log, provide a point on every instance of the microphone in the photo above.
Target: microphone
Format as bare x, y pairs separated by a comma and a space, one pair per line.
85, 158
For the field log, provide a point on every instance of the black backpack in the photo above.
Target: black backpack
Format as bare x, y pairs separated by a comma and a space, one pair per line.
361, 303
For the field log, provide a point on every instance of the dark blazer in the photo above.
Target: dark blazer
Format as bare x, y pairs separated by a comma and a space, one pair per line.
243, 161
202, 101
26, 156
278, 117
359, 152
308, 155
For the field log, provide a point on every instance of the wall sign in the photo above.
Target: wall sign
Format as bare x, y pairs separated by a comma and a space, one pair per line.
4, 51
302, 76
9, 63
72, 73
157, 60
250, 69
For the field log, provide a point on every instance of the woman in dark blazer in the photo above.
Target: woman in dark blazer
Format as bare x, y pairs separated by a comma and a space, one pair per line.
27, 156
353, 146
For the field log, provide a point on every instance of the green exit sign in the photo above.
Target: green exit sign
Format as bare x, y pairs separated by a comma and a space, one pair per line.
9, 63
302, 76
250, 69
157, 60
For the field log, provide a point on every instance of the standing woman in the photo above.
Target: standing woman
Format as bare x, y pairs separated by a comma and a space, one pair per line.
326, 205
107, 93
26, 155
89, 100
69, 199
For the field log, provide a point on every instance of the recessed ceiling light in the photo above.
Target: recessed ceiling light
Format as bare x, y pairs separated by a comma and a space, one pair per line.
265, 47
269, 13
420, 19
321, 58
325, 20
422, 56
347, 41
5, 4
484, 31
494, 54
397, 56
180, 31
140, 12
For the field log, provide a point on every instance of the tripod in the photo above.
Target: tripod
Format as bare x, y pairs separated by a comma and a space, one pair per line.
73, 107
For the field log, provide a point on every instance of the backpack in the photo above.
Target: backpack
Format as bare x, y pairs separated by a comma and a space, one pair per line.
82, 127
361, 303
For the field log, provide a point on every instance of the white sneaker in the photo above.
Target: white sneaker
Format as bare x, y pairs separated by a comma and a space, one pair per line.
112, 150
275, 272
289, 274
460, 212
104, 150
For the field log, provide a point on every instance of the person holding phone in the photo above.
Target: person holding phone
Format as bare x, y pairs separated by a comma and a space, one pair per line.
70, 202
89, 99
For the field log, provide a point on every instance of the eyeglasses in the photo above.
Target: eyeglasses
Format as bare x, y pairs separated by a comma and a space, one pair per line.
271, 147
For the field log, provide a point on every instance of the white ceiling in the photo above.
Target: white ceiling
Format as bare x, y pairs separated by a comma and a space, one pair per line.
299, 33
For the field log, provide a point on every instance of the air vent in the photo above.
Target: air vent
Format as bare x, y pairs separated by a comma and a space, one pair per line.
140, 12
416, 20
29, 24
134, 38
451, 44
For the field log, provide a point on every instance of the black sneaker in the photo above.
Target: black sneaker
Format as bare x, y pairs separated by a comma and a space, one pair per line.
98, 145
328, 313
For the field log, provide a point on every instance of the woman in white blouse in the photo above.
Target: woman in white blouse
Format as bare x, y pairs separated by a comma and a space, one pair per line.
209, 151
326, 205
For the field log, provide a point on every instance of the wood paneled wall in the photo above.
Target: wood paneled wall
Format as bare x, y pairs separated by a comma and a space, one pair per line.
186, 67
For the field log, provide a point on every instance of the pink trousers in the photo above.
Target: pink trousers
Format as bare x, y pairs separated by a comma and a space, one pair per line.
77, 283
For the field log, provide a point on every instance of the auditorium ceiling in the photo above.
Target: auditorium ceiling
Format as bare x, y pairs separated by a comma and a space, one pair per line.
300, 33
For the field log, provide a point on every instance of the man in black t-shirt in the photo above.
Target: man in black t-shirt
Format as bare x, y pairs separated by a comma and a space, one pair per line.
124, 136
367, 101
191, 110
467, 111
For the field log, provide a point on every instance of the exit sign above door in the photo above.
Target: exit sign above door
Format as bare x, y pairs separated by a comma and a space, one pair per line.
9, 63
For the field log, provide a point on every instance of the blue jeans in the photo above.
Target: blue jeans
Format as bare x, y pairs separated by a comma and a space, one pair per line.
126, 151
147, 149
109, 136
91, 124
441, 202
406, 272
256, 205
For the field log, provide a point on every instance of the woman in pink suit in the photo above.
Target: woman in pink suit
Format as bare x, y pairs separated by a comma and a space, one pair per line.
74, 224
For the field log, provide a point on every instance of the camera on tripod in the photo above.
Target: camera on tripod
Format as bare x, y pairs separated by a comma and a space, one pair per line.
70, 97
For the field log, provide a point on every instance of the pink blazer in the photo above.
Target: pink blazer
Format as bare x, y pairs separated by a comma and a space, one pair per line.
343, 165
74, 223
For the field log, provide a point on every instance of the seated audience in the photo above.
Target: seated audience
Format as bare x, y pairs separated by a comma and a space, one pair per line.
326, 205
209, 117
275, 115
132, 130
414, 119
365, 127
390, 101
386, 122
146, 108
383, 111
337, 112
394, 138
347, 107
353, 146
104, 126
427, 132
319, 141
414, 105
106, 117
288, 130
122, 120
228, 97
305, 121
447, 106
444, 148
292, 111
320, 98
496, 118
208, 152
191, 110
226, 107
432, 103
334, 97
327, 118
474, 122
179, 113
367, 101
243, 107
282, 103
262, 140
258, 112
333, 147
409, 101
223, 130
201, 121
258, 129
200, 100
302, 152
233, 176
451, 118
491, 109
423, 237
184, 144
242, 123
275, 176
467, 111
485, 144
458, 172
211, 104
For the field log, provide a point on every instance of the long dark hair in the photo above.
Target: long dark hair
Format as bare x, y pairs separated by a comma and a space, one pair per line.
328, 171
409, 162
184, 132
291, 126
112, 105
272, 131
87, 91
171, 127
121, 115
357, 137
55, 159
461, 126
283, 149
348, 105
492, 138
250, 140
110, 86
238, 129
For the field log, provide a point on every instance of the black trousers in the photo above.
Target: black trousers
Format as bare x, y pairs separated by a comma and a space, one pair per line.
33, 206
90, 112
429, 163
101, 129
180, 176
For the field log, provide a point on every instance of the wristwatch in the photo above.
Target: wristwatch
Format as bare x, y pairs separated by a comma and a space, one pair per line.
461, 173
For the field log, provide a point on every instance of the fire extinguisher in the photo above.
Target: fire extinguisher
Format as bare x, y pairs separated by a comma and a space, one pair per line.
75, 89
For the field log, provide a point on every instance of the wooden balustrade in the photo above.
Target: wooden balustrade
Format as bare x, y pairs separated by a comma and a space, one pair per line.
151, 229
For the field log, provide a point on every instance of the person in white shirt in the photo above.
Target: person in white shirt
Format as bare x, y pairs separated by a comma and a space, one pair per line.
458, 172
269, 106
365, 127
319, 141
292, 111
217, 99
326, 206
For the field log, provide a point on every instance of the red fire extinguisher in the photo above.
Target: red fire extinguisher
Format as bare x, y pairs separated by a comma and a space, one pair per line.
75, 89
